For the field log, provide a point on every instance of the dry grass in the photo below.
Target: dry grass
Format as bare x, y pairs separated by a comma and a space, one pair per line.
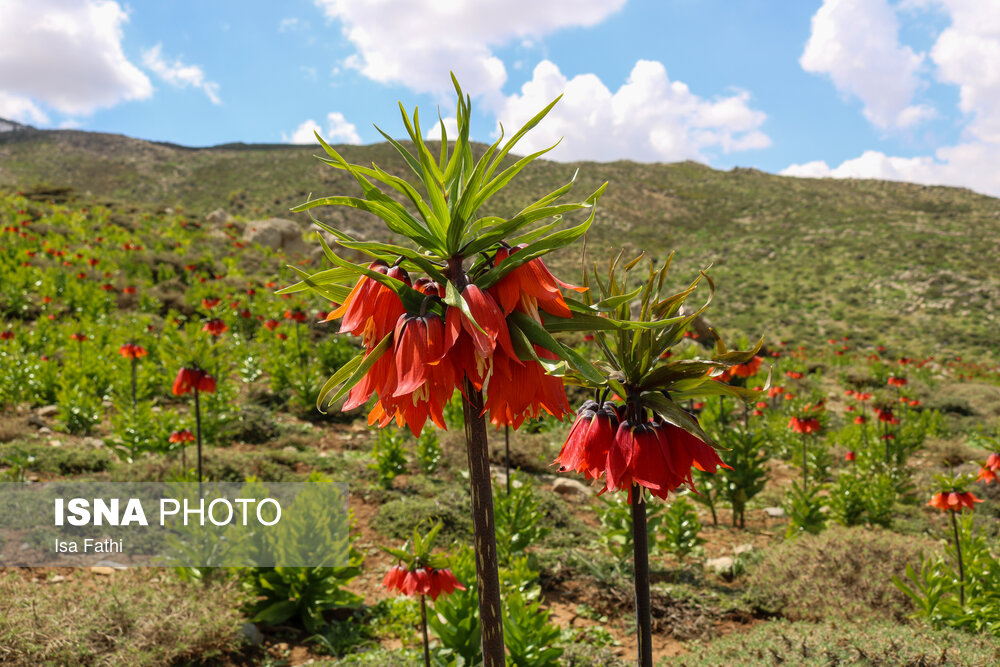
133, 617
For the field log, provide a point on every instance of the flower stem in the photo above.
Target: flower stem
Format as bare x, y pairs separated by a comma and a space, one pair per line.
423, 624
641, 554
134, 403
506, 453
197, 421
961, 567
487, 575
805, 464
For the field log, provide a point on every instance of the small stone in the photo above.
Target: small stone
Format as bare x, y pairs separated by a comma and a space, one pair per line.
570, 487
103, 570
93, 442
48, 411
290, 449
252, 634
55, 443
57, 579
45, 430
743, 549
774, 512
110, 563
721, 565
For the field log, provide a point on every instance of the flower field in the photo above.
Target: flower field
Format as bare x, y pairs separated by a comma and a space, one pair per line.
847, 515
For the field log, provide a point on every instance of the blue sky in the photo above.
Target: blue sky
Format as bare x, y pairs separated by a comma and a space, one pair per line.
904, 90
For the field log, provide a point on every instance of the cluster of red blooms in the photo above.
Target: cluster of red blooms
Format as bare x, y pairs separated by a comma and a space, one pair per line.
215, 326
747, 370
897, 381
78, 337
656, 455
210, 302
182, 436
886, 415
297, 315
804, 424
988, 473
954, 501
193, 379
421, 581
794, 375
431, 355
132, 351
7, 335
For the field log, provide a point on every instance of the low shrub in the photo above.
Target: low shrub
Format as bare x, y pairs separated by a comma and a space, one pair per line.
843, 573
813, 645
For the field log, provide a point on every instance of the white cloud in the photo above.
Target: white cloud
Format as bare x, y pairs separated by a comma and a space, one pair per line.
450, 126
416, 42
21, 109
650, 118
66, 55
856, 42
179, 75
967, 55
339, 131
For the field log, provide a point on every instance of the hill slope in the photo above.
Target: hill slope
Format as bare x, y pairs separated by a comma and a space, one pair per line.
881, 262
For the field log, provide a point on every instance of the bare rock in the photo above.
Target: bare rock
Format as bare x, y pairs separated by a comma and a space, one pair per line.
774, 512
218, 216
723, 565
741, 549
278, 234
570, 487
48, 411
252, 634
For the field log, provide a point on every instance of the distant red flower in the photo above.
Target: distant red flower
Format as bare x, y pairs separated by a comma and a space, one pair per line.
93, 261
885, 415
78, 337
795, 375
775, 391
804, 424
758, 413
215, 326
130, 289
182, 436
81, 276
699, 405
282, 336
272, 324
954, 501
860, 419
749, 369
863, 396
107, 287
7, 335
895, 381
849, 456
132, 351
191, 267
296, 315
246, 314
210, 302
421, 581
193, 379
988, 473
848, 408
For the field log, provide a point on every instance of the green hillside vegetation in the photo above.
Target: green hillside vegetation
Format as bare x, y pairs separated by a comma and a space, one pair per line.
804, 259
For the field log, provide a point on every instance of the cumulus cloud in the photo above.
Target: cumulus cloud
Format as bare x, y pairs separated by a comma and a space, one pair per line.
416, 42
179, 75
21, 109
338, 131
450, 126
649, 118
967, 55
65, 55
856, 42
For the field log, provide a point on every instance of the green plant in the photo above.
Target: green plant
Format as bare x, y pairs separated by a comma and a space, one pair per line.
79, 411
428, 451
855, 499
680, 529
804, 507
390, 456
531, 640
944, 597
616, 523
300, 593
455, 620
747, 474
519, 521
